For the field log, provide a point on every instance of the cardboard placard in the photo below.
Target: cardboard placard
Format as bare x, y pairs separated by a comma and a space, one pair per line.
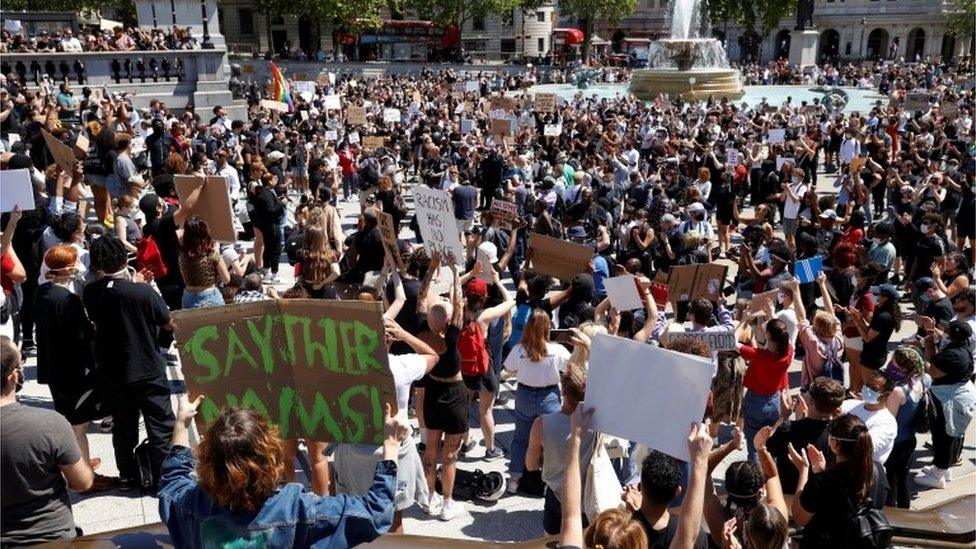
459, 87
501, 102
552, 130
317, 372
917, 101
503, 126
304, 89
438, 226
559, 258
806, 270
64, 157
732, 157
544, 102
356, 115
373, 142
353, 138
322, 80
466, 126
390, 241
659, 293
331, 135
391, 116
80, 147
780, 160
761, 302
332, 103
472, 86
723, 340
16, 190
776, 136
623, 292
646, 394
279, 106
703, 280
213, 205
504, 212
949, 109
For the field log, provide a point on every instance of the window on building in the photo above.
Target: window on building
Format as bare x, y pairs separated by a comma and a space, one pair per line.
540, 16
478, 23
542, 45
508, 45
508, 19
245, 21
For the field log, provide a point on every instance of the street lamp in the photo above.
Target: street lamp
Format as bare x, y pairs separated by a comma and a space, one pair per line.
864, 46
206, 44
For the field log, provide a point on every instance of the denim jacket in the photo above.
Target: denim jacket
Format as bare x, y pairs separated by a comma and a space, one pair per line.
291, 517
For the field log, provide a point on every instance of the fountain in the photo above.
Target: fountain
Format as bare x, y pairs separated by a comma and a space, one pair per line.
686, 65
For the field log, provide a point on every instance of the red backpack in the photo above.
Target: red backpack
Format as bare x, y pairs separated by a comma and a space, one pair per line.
149, 257
473, 351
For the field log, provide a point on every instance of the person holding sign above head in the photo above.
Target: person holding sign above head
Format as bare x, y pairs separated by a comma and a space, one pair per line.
354, 463
228, 492
765, 378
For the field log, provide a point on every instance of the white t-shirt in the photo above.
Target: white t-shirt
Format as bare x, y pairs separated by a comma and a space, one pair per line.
406, 369
881, 426
538, 374
792, 207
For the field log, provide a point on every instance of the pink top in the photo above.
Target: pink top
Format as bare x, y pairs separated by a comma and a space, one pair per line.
816, 351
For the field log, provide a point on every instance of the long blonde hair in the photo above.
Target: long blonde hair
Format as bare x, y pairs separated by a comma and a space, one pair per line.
536, 335
318, 255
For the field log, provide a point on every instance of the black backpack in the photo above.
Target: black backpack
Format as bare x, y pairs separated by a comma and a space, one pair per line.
147, 475
870, 528
925, 414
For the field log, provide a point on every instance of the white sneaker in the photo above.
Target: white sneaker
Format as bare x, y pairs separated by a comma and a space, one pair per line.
512, 487
930, 469
435, 505
936, 478
452, 509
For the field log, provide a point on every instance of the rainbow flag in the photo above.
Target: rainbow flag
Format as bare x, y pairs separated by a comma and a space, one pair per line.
280, 88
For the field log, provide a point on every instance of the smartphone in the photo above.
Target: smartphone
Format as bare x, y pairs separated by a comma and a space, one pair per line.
560, 336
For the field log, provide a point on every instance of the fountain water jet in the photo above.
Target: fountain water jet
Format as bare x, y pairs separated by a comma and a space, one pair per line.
686, 65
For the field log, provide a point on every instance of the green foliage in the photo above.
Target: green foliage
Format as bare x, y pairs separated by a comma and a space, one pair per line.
961, 20
124, 9
346, 12
760, 16
588, 10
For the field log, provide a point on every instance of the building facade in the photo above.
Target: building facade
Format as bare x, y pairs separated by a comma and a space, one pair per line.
491, 37
913, 30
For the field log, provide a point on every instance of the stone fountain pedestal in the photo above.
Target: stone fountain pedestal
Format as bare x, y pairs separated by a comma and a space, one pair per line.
803, 47
688, 85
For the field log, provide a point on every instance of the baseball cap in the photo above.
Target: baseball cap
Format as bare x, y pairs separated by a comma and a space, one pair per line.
668, 218
490, 251
577, 232
889, 291
959, 331
476, 288
828, 214
695, 207
924, 284
275, 156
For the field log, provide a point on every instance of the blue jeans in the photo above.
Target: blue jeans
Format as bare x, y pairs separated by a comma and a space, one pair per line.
530, 403
207, 298
496, 344
758, 411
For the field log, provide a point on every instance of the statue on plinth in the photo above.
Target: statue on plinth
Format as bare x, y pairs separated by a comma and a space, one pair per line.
804, 14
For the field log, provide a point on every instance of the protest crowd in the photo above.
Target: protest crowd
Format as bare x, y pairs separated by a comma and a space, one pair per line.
118, 38
723, 239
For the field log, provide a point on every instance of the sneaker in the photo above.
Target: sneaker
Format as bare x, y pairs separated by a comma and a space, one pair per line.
494, 454
452, 509
936, 478
931, 469
435, 505
512, 487
465, 448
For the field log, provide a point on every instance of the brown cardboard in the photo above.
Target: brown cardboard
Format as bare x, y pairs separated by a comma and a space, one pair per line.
681, 280
503, 102
372, 142
279, 106
502, 126
213, 205
318, 370
559, 258
80, 147
709, 281
545, 102
760, 302
63, 155
356, 115
389, 234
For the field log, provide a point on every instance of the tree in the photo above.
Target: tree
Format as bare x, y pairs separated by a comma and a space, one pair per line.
961, 19
587, 11
759, 16
348, 12
123, 9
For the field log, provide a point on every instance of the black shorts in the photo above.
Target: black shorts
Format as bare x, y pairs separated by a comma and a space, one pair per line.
78, 403
446, 406
485, 382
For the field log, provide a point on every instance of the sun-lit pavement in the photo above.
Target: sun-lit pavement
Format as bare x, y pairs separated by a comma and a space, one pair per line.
512, 518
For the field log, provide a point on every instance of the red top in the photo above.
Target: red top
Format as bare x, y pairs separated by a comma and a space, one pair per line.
853, 236
863, 303
766, 373
346, 162
6, 267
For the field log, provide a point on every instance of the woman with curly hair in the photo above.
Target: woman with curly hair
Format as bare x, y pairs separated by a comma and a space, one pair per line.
228, 491
319, 265
201, 265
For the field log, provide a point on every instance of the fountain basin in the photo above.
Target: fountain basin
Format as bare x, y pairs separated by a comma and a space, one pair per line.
693, 84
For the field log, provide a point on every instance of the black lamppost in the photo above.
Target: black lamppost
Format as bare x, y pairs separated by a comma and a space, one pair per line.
206, 44
864, 46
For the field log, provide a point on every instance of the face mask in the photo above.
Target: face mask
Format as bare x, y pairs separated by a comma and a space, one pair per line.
869, 395
924, 228
895, 374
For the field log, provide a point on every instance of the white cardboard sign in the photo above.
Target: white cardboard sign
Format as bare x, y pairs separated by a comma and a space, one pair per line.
776, 136
722, 340
332, 103
391, 115
646, 394
16, 190
622, 291
552, 130
438, 227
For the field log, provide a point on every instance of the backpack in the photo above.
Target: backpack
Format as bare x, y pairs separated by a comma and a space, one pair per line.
925, 413
293, 247
145, 472
476, 485
149, 257
473, 350
870, 528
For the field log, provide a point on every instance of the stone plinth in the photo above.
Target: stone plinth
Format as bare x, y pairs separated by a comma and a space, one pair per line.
803, 47
689, 85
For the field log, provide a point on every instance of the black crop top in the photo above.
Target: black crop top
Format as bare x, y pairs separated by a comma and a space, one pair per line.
449, 364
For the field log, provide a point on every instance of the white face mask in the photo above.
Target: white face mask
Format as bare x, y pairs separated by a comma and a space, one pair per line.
924, 228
